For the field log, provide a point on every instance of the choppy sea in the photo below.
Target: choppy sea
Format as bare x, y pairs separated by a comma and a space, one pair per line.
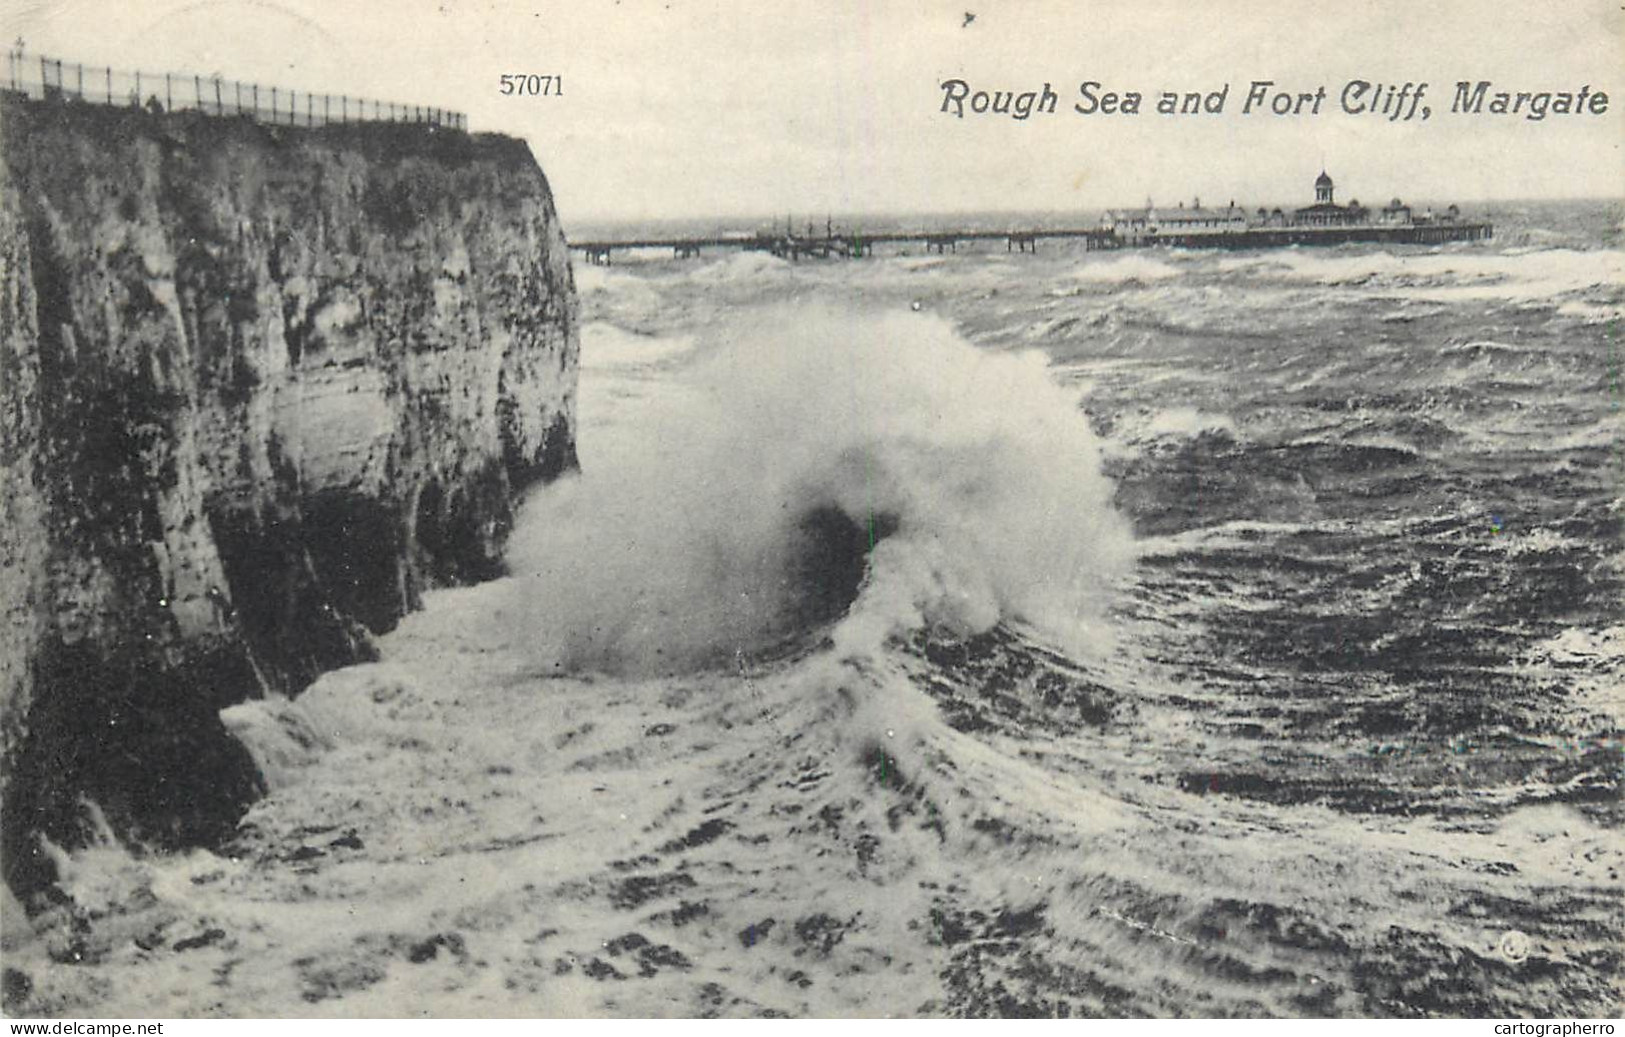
1080, 634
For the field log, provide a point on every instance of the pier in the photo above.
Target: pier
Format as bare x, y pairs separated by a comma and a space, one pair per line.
1322, 223
856, 245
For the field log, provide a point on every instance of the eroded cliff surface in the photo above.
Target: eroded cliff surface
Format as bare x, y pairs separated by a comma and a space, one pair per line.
259, 387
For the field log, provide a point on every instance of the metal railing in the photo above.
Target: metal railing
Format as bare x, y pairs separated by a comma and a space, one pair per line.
43, 77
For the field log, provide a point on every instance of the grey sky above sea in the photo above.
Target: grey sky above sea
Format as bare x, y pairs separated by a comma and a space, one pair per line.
680, 109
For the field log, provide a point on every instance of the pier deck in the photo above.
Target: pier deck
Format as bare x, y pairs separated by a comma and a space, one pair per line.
858, 244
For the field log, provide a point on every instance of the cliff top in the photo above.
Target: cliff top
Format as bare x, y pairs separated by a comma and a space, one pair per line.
377, 141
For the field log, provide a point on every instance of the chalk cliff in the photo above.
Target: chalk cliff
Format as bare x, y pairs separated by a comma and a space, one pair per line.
259, 387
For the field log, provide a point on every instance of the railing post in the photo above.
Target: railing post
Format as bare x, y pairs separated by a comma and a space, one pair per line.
43, 78
327, 103
344, 99
238, 84
219, 105
109, 85
273, 104
138, 88
169, 102
256, 87
197, 91
80, 74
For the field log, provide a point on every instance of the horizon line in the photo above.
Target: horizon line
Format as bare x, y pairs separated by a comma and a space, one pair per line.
759, 217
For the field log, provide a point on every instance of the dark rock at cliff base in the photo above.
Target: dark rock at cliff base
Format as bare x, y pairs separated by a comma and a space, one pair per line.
259, 387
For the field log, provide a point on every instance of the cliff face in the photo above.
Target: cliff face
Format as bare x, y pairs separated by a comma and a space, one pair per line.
259, 387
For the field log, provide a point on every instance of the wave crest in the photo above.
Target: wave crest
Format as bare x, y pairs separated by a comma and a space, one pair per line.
801, 444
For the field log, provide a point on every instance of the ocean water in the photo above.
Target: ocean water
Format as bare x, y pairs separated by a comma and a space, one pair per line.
1143, 633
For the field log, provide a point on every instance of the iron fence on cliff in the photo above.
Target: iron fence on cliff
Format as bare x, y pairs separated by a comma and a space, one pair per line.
43, 77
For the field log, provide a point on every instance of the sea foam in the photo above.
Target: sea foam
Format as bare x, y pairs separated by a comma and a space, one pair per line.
801, 440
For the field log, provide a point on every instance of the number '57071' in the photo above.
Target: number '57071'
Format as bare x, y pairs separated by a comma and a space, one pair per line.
521, 85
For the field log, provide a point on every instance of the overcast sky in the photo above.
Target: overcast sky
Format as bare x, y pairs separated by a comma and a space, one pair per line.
673, 108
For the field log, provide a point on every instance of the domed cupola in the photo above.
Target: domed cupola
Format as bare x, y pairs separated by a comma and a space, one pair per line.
1323, 189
